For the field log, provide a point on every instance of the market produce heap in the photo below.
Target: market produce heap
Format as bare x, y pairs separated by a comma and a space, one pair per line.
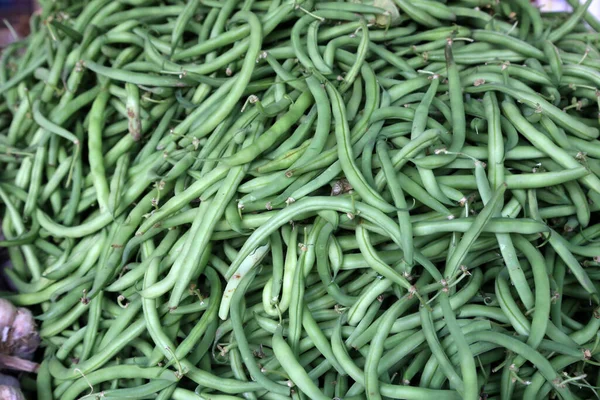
268, 199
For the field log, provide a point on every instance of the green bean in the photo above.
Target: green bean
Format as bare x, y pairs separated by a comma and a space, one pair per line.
437, 350
199, 376
375, 262
409, 86
507, 247
207, 45
56, 178
35, 181
210, 218
296, 372
200, 328
579, 200
437, 10
117, 182
21, 75
296, 307
541, 363
50, 126
570, 23
417, 14
323, 269
536, 102
167, 283
317, 143
375, 289
413, 320
468, 368
113, 372
236, 365
508, 42
542, 288
23, 239
144, 390
176, 203
560, 246
481, 220
319, 339
32, 262
295, 139
342, 133
112, 260
549, 147
313, 48
242, 78
360, 58
376, 350
359, 129
268, 138
556, 64
557, 134
182, 21
91, 330
43, 382
456, 101
243, 344
95, 157
394, 391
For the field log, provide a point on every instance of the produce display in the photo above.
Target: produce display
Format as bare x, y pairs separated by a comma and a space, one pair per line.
268, 199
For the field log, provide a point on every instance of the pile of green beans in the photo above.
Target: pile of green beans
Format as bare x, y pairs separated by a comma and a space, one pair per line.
275, 199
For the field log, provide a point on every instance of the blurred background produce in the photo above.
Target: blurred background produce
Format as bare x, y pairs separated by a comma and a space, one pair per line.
16, 13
